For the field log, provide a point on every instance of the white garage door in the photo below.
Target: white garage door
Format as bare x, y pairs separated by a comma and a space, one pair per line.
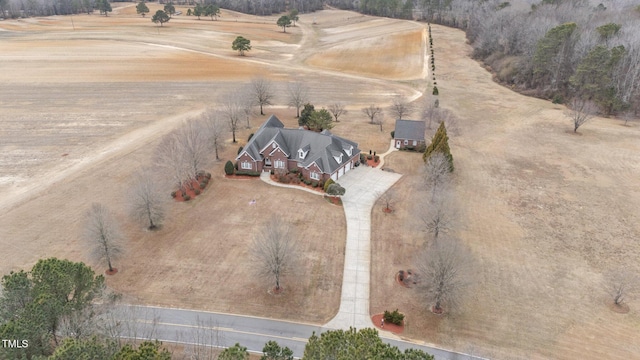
347, 167
334, 176
341, 171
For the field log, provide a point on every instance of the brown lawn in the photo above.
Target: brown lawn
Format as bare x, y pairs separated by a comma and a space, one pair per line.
546, 213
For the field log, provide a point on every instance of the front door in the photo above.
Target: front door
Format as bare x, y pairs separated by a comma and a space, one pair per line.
398, 144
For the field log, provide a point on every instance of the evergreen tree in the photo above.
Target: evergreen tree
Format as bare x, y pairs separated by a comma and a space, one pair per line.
439, 143
142, 8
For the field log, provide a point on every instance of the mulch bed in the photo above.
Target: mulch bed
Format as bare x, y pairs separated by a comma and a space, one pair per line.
335, 200
241, 177
409, 279
294, 180
396, 329
372, 162
111, 272
387, 210
620, 308
189, 189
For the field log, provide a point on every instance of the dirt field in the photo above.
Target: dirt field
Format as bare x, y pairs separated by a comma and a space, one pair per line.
546, 214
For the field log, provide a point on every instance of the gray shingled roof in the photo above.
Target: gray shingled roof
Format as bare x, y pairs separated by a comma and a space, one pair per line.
409, 129
321, 147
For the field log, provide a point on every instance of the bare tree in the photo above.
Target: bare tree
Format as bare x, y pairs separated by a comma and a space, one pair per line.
436, 173
337, 109
247, 103
372, 111
273, 250
430, 113
580, 112
443, 273
192, 137
298, 94
263, 92
147, 201
103, 235
169, 156
217, 129
400, 107
379, 120
438, 215
232, 110
388, 198
205, 340
620, 284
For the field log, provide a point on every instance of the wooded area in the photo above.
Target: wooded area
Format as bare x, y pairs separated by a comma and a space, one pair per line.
554, 49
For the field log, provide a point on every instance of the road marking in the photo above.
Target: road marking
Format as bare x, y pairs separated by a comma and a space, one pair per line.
225, 329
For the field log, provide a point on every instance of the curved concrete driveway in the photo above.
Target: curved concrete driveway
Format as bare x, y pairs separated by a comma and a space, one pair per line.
363, 186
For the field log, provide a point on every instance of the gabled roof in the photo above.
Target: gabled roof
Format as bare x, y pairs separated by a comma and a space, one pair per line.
409, 129
321, 147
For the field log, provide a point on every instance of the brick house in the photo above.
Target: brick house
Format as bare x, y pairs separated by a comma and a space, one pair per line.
318, 156
409, 133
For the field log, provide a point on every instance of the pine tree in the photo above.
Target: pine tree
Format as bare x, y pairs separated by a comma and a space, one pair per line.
439, 143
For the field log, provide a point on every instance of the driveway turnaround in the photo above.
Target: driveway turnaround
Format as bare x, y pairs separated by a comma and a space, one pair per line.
363, 186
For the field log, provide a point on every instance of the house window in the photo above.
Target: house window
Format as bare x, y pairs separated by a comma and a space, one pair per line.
415, 143
273, 145
246, 165
267, 162
314, 176
406, 142
278, 164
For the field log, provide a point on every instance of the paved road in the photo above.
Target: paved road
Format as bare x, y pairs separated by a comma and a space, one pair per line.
184, 326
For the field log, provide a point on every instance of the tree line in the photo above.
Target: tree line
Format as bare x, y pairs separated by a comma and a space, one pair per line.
553, 49
27, 8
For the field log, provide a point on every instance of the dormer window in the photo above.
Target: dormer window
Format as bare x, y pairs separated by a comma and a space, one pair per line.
302, 154
349, 151
338, 158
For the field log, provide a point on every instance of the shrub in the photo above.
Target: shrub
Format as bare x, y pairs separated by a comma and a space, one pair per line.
173, 194
228, 168
296, 180
294, 171
186, 198
393, 134
307, 181
321, 184
330, 181
369, 157
203, 185
376, 158
435, 90
250, 136
240, 150
196, 191
248, 173
363, 158
410, 148
421, 148
335, 189
314, 184
283, 179
208, 176
394, 317
557, 99
272, 172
